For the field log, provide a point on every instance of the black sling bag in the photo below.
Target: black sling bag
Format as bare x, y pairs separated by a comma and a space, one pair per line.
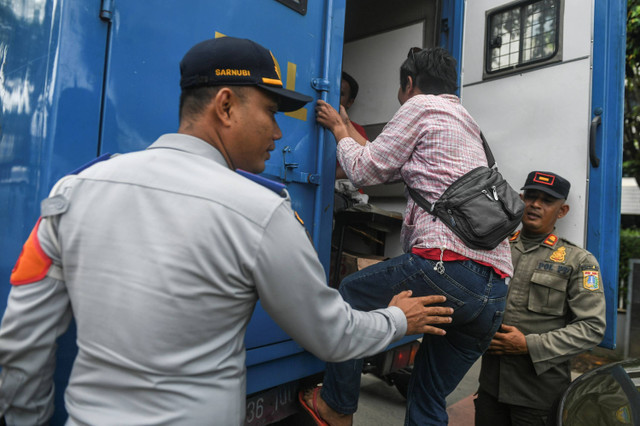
481, 208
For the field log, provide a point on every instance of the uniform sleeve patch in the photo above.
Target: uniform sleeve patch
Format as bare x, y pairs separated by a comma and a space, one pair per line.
623, 415
33, 263
590, 280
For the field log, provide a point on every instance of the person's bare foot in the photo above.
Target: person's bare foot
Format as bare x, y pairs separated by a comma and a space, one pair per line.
333, 418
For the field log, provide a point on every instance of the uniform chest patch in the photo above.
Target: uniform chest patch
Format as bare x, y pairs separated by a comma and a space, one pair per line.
558, 255
563, 270
590, 280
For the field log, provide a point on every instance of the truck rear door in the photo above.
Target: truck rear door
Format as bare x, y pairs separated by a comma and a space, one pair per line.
141, 93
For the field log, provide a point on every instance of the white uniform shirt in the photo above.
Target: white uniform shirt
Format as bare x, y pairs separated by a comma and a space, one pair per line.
163, 255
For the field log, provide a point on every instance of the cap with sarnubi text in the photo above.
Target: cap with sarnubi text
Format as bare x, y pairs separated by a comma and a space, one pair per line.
230, 61
551, 183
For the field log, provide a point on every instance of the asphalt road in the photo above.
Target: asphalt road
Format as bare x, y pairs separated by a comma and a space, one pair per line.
381, 404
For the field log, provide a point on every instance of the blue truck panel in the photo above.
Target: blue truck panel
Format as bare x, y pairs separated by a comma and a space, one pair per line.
40, 117
85, 81
50, 119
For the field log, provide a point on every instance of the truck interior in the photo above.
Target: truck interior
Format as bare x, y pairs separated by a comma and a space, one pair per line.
377, 36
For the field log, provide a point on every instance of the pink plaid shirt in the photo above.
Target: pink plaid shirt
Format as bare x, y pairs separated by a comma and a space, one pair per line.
429, 143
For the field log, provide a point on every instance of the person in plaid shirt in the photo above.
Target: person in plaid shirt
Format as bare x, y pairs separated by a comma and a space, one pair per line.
431, 141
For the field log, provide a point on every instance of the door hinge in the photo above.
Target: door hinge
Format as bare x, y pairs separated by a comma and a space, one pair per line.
106, 10
444, 26
287, 171
321, 84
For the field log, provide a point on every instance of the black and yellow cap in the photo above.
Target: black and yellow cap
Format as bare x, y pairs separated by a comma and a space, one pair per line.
230, 61
549, 182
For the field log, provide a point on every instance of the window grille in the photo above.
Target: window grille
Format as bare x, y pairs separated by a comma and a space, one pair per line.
522, 34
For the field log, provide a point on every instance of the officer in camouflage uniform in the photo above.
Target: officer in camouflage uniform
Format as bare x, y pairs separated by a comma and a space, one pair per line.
555, 310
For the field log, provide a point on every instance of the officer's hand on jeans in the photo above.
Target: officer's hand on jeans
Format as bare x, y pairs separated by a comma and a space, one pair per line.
419, 315
508, 341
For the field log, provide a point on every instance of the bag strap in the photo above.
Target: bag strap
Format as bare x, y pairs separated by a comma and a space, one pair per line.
419, 200
487, 151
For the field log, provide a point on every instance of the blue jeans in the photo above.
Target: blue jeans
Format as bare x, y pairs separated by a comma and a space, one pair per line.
477, 296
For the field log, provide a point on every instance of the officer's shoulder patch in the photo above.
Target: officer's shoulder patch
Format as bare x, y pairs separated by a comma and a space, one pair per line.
274, 186
33, 263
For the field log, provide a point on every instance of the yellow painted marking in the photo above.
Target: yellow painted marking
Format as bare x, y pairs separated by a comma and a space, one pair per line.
291, 76
300, 114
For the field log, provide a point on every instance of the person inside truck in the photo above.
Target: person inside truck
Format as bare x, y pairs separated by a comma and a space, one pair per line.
555, 310
348, 91
161, 255
429, 143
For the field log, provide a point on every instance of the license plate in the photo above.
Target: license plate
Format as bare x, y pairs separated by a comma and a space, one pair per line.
272, 405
